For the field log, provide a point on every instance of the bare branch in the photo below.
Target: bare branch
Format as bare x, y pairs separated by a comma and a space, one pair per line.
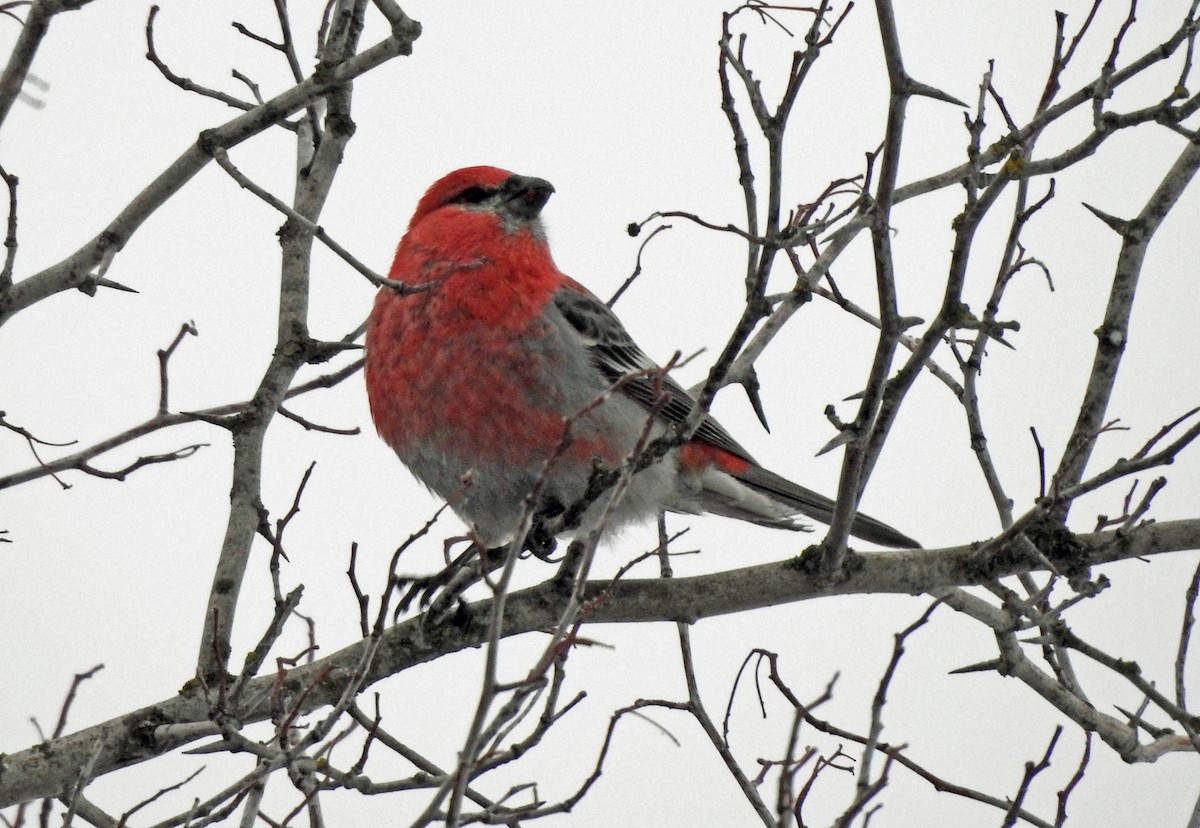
629, 601
10, 236
82, 457
164, 356
141, 462
1065, 794
1185, 633
293, 346
16, 71
864, 782
637, 266
695, 704
222, 158
186, 84
79, 269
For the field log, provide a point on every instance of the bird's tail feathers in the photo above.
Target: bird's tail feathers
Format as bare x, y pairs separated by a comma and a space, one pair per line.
820, 508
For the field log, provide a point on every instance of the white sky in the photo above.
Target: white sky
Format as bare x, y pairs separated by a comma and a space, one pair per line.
617, 105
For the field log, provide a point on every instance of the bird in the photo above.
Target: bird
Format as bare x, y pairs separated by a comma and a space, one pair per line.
503, 384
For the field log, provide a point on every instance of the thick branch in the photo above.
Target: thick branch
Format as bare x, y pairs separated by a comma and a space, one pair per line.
1113, 334
47, 769
293, 346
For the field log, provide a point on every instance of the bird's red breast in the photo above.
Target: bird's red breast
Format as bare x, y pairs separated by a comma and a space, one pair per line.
463, 355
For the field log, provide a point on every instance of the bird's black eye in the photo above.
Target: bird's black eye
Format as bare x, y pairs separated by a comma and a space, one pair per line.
473, 195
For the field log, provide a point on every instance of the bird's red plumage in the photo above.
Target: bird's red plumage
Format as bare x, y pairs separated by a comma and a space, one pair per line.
696, 455
446, 187
486, 294
499, 377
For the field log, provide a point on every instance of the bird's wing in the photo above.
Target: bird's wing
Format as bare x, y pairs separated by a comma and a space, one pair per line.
617, 356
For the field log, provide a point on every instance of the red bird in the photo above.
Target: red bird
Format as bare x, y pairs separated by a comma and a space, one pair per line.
472, 380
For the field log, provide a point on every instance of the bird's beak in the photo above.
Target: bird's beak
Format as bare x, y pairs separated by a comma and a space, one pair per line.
525, 197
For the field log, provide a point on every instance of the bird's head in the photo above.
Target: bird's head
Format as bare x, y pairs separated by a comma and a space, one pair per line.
517, 199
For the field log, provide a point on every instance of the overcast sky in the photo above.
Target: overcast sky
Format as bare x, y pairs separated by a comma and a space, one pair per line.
616, 104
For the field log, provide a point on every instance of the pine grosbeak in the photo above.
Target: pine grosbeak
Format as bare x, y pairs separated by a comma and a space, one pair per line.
473, 379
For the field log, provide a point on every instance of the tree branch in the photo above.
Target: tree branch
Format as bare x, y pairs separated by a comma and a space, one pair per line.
45, 770
76, 271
